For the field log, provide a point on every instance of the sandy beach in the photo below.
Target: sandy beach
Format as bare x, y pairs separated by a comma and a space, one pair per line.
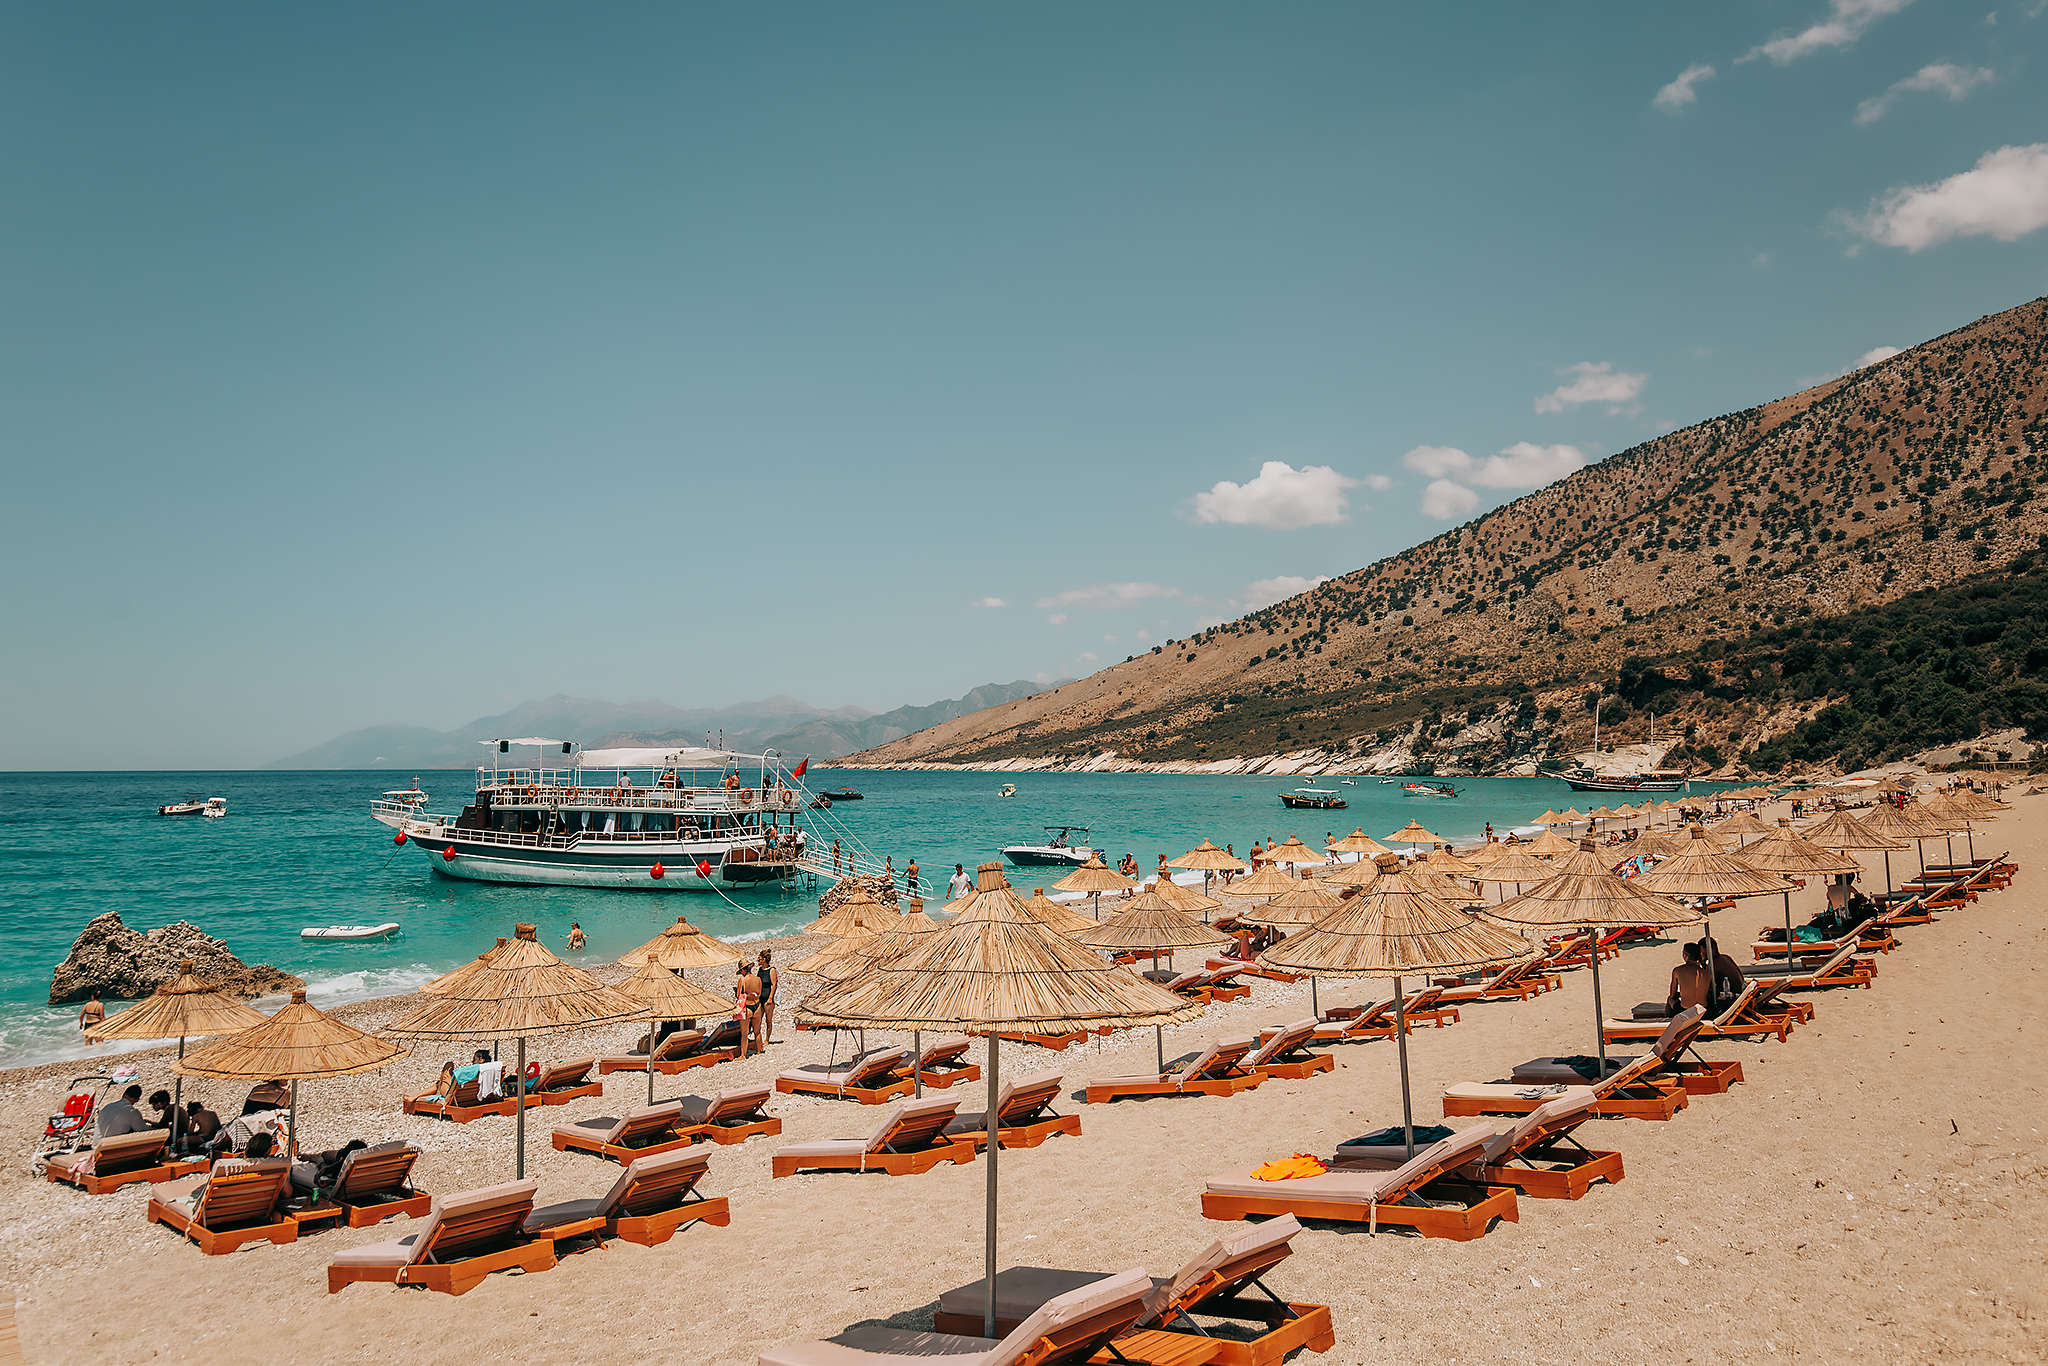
1875, 1188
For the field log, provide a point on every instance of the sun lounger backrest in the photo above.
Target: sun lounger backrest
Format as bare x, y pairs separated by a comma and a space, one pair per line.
1514, 972
126, 1152
1683, 1029
1186, 981
1443, 1154
680, 1044
570, 1073
1424, 999
1548, 1118
945, 1052
646, 1121
652, 1184
1289, 1038
242, 1197
1836, 959
1738, 1005
1224, 1055
1060, 1318
374, 1171
877, 1065
1023, 1098
1247, 1252
473, 1220
1766, 992
914, 1123
737, 1101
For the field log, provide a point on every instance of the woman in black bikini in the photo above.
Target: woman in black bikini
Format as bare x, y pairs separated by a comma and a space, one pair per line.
764, 1018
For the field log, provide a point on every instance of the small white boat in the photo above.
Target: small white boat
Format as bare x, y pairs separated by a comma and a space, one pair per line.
193, 804
383, 931
1007, 790
1348, 782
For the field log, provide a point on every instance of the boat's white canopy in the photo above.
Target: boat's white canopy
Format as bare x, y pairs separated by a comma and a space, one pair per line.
686, 756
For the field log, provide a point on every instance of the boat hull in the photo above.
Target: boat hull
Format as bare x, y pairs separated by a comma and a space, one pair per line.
1624, 784
1036, 856
1288, 799
620, 869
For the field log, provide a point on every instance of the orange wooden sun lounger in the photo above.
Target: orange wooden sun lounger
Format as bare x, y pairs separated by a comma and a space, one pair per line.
872, 1079
1746, 1017
637, 1133
653, 1197
1371, 1193
373, 1185
1072, 1328
1024, 1114
1516, 982
1216, 1071
679, 1052
911, 1139
1576, 951
561, 1082
460, 1102
220, 1213
1380, 1020
121, 1160
1639, 1090
732, 1116
466, 1238
1540, 1157
1250, 968
1211, 1284
1285, 1053
1842, 968
945, 1064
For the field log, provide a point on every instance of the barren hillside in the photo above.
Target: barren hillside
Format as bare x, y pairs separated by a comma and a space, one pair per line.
1913, 473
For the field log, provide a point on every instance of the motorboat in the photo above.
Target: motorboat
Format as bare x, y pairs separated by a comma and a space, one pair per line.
821, 803
844, 794
193, 804
395, 807
383, 931
1651, 780
1007, 790
1429, 790
633, 817
1348, 782
1313, 799
1061, 847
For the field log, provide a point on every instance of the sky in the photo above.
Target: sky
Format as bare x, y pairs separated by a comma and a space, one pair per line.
398, 363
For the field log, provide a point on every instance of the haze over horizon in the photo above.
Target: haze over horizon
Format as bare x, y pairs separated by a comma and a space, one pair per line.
400, 366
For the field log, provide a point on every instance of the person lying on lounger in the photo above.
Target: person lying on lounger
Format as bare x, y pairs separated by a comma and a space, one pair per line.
316, 1175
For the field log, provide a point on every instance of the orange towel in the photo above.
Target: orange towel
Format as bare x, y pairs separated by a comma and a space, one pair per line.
1290, 1168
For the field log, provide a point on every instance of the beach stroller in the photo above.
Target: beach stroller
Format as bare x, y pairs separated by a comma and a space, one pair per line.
71, 1130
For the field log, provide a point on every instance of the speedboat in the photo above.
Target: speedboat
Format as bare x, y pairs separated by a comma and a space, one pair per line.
1429, 789
1060, 848
1007, 790
383, 931
1313, 799
1348, 782
844, 794
192, 804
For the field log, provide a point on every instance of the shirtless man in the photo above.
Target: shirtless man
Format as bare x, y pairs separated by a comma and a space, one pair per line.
1688, 983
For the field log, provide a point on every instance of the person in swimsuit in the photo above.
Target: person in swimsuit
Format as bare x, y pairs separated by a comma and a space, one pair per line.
765, 973
575, 937
746, 991
91, 1013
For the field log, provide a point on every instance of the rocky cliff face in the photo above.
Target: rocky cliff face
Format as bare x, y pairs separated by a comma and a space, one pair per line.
124, 964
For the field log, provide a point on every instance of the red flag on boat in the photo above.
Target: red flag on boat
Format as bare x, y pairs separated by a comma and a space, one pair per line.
798, 771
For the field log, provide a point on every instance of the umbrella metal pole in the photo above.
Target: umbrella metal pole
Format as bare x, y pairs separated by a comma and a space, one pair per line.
1401, 1038
1159, 1046
519, 1100
178, 1082
1313, 1008
1788, 932
1887, 874
916, 1062
291, 1125
993, 1123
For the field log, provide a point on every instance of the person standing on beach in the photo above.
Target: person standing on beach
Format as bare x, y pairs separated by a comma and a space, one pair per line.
746, 992
960, 884
765, 973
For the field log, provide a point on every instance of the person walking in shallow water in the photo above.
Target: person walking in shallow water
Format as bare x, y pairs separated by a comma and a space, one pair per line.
91, 1013
575, 937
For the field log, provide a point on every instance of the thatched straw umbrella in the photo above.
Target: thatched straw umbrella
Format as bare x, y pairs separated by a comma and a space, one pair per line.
182, 1008
1785, 853
1363, 873
1208, 859
1308, 903
1392, 932
1268, 881
1294, 853
995, 967
1550, 818
1186, 900
296, 1044
668, 996
1096, 877
1740, 824
520, 991
1958, 808
1889, 821
1413, 833
1057, 916
860, 905
1148, 923
441, 984
1515, 866
1549, 844
1842, 831
1360, 844
1703, 871
683, 946
1586, 895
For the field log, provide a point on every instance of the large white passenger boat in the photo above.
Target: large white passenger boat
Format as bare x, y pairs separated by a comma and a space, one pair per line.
675, 819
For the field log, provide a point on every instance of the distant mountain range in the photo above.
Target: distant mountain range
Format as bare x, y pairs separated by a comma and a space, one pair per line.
781, 723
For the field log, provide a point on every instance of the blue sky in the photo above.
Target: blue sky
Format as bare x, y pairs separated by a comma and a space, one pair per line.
399, 363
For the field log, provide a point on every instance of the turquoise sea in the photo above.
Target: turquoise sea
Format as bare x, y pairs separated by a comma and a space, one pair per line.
300, 849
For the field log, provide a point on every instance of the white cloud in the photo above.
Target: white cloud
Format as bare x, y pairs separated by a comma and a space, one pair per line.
1279, 588
1141, 635
1446, 501
1057, 619
1524, 465
1595, 382
1876, 354
1680, 92
988, 602
1844, 25
1281, 498
1088, 657
2004, 196
1943, 77
1102, 597
1378, 483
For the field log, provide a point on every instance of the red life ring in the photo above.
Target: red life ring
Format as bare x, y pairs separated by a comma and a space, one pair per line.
746, 796
533, 789
613, 794
574, 793
533, 1071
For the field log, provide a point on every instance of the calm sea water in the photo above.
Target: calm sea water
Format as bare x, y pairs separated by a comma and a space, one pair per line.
299, 849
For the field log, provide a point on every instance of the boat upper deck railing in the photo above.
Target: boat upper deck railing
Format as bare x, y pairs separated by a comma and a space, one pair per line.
520, 787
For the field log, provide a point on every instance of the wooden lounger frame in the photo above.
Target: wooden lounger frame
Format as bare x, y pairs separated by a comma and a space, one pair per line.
561, 1094
93, 1183
1569, 1167
618, 1152
1648, 1100
259, 1223
912, 1163
454, 1108
1233, 1080
867, 1095
1448, 1207
667, 1067
451, 1278
951, 1072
